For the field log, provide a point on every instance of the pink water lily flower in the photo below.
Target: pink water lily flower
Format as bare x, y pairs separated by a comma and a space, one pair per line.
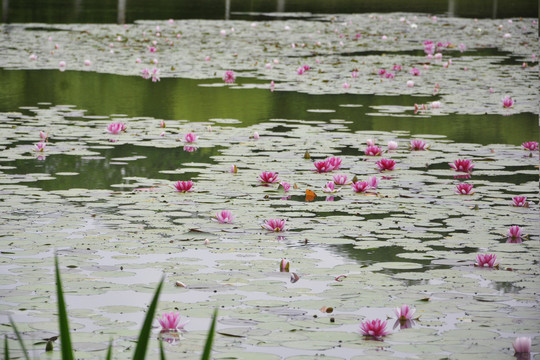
520, 201
415, 72
340, 179
486, 260
323, 166
40, 147
392, 145
275, 225
330, 187
360, 186
334, 162
224, 217
418, 145
44, 136
284, 265
373, 182
514, 232
386, 164
464, 189
229, 77
285, 185
373, 150
183, 186
530, 145
190, 137
374, 328
507, 102
116, 128
404, 312
522, 345
171, 321
268, 177
462, 165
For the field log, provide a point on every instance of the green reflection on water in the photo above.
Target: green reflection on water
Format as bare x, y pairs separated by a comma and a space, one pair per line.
99, 173
184, 99
112, 11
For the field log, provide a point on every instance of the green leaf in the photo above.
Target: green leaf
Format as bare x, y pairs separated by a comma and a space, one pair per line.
6, 349
210, 338
25, 353
109, 351
144, 335
66, 348
161, 351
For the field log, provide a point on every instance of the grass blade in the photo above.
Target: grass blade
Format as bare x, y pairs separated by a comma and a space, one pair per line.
65, 338
6, 348
144, 335
161, 351
109, 351
25, 353
210, 339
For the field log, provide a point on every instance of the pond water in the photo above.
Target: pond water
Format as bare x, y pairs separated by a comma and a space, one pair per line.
106, 203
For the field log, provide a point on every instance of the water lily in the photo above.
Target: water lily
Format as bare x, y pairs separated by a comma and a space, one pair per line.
462, 165
268, 177
340, 179
183, 186
145, 73
360, 186
334, 162
190, 137
44, 136
171, 321
40, 147
514, 232
486, 260
323, 166
373, 150
435, 104
404, 312
410, 83
522, 345
386, 164
520, 201
229, 77
285, 185
374, 328
373, 182
275, 225
507, 102
530, 145
255, 135
464, 189
284, 265
415, 72
116, 128
418, 145
330, 187
392, 145
224, 217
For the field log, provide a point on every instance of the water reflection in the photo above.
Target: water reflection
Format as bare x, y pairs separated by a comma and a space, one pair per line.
122, 11
100, 172
104, 94
403, 324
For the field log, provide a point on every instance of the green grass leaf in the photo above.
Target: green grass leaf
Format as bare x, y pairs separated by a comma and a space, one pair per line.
65, 338
6, 348
25, 353
144, 335
161, 351
109, 351
210, 339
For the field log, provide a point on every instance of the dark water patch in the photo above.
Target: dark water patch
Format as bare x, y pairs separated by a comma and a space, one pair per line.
174, 98
100, 172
